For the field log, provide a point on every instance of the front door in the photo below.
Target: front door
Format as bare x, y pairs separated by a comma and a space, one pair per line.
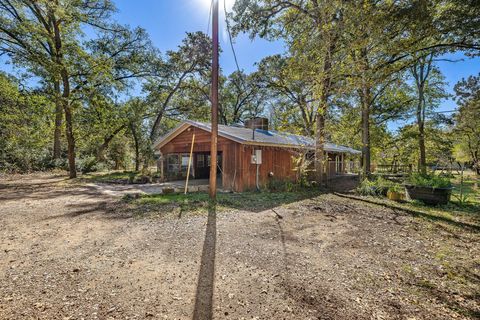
202, 165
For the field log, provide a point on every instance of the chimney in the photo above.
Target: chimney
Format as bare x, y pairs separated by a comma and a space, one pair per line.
257, 123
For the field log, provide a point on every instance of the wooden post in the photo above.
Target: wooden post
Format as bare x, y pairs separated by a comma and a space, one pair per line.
189, 163
214, 125
161, 166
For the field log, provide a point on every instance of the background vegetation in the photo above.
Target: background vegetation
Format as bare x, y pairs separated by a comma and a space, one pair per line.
87, 103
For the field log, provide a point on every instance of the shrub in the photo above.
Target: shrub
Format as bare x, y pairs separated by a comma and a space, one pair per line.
375, 187
367, 188
395, 187
279, 185
429, 180
87, 164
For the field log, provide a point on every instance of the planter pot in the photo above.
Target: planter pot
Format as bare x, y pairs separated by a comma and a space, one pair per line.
429, 195
395, 196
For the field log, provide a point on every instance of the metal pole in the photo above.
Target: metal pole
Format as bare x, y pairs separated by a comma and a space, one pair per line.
213, 149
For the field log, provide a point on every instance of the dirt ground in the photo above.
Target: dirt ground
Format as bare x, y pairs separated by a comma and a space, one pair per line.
70, 251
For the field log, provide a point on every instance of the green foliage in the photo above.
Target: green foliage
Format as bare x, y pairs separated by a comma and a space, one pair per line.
395, 187
367, 188
281, 185
429, 180
467, 124
87, 164
25, 118
376, 186
178, 76
349, 56
46, 40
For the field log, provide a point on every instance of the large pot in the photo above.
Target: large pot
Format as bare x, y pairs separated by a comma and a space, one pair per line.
429, 195
395, 196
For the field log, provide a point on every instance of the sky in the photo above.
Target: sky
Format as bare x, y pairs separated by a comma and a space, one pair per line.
167, 22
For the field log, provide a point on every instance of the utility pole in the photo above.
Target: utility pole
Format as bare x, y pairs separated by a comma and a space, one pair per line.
214, 125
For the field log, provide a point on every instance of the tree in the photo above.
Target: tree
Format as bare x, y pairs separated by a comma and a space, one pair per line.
311, 30
168, 76
467, 120
439, 26
241, 96
428, 88
25, 120
292, 96
421, 72
136, 113
45, 37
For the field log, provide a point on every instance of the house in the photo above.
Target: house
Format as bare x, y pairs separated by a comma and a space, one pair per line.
247, 156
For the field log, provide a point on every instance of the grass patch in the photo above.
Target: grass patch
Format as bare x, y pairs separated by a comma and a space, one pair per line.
456, 212
118, 176
467, 218
199, 202
471, 189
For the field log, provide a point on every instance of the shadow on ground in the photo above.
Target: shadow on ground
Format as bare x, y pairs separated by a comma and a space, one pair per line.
417, 213
203, 309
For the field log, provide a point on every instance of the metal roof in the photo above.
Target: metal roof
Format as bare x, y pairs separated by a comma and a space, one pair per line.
258, 137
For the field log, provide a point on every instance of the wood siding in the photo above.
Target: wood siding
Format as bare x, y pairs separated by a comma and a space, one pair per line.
183, 142
238, 173
277, 161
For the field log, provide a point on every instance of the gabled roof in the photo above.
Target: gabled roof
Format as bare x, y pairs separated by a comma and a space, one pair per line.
262, 137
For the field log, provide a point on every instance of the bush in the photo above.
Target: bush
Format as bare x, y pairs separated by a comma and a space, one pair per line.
375, 187
429, 180
279, 185
367, 188
87, 164
396, 188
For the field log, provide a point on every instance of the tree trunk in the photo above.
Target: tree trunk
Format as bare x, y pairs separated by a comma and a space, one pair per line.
106, 141
57, 151
137, 147
366, 132
319, 146
422, 161
321, 112
421, 72
477, 178
70, 140
65, 100
67, 108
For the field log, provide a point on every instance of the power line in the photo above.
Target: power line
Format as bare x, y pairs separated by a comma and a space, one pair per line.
230, 36
209, 17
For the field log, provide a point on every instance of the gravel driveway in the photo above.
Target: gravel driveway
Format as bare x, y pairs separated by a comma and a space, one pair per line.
72, 252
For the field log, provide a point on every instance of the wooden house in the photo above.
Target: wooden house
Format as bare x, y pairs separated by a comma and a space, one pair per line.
248, 156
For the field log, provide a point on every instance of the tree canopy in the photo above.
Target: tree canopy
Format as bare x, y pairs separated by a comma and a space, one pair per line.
88, 93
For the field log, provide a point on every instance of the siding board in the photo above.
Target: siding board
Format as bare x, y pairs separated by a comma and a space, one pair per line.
238, 173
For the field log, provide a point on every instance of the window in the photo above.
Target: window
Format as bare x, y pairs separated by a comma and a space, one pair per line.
173, 162
185, 159
200, 161
219, 160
